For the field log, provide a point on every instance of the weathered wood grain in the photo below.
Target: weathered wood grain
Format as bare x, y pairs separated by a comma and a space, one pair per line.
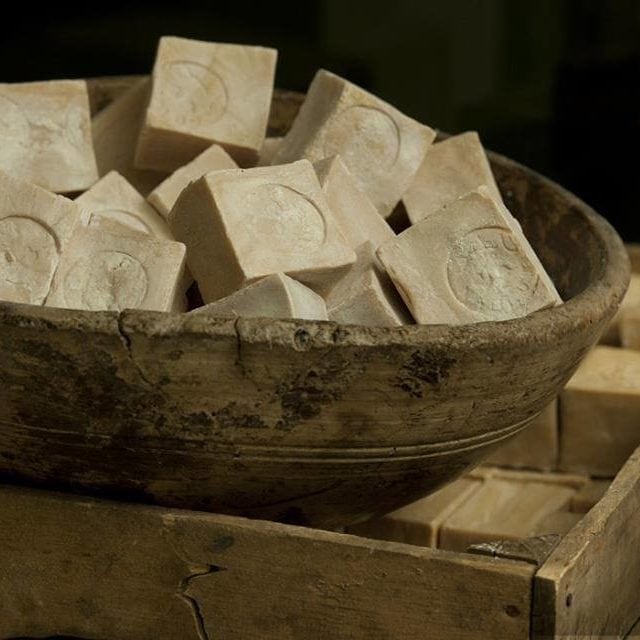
99, 570
589, 585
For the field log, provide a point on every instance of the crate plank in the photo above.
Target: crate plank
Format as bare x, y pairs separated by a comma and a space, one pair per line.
589, 586
94, 569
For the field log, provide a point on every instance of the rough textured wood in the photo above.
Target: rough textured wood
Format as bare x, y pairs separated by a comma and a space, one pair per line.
96, 570
589, 586
298, 421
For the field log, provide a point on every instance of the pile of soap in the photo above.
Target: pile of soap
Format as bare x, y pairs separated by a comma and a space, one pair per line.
175, 186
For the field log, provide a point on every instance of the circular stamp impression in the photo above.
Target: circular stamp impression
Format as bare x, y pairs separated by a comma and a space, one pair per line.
198, 94
366, 138
278, 214
489, 274
28, 259
121, 217
109, 280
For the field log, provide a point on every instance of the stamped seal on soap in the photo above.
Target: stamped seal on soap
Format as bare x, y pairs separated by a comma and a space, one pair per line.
367, 139
109, 280
277, 214
28, 259
489, 274
198, 93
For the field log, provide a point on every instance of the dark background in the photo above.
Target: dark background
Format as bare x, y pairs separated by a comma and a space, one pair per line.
554, 84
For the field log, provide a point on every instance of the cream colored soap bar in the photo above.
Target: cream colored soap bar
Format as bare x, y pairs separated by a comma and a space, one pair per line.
115, 134
467, 263
358, 219
246, 224
34, 226
630, 329
276, 296
164, 196
450, 170
103, 271
45, 129
600, 413
502, 510
114, 199
419, 522
536, 447
630, 303
380, 146
268, 150
366, 295
205, 93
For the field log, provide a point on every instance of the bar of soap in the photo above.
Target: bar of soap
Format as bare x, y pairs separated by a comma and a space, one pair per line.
380, 146
45, 128
366, 295
600, 413
34, 226
630, 329
275, 296
589, 496
559, 523
502, 509
358, 219
205, 93
246, 224
115, 132
536, 447
469, 262
114, 199
268, 150
419, 522
102, 271
164, 196
450, 169
630, 303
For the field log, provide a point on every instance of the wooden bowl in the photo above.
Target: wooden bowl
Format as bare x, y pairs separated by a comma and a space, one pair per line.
303, 422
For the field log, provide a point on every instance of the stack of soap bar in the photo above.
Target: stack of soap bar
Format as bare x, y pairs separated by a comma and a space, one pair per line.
450, 170
380, 146
115, 133
164, 196
35, 226
630, 305
630, 329
536, 447
419, 522
103, 271
276, 296
113, 199
600, 413
246, 224
45, 129
469, 262
503, 509
205, 93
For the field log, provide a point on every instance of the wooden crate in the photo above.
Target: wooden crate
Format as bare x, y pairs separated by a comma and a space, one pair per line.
74, 566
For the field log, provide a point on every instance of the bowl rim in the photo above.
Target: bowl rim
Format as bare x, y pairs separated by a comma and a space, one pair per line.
601, 297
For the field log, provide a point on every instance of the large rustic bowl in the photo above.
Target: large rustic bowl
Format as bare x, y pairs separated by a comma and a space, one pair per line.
304, 422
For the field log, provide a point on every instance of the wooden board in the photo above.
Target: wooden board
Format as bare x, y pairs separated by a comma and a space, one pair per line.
589, 586
95, 569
